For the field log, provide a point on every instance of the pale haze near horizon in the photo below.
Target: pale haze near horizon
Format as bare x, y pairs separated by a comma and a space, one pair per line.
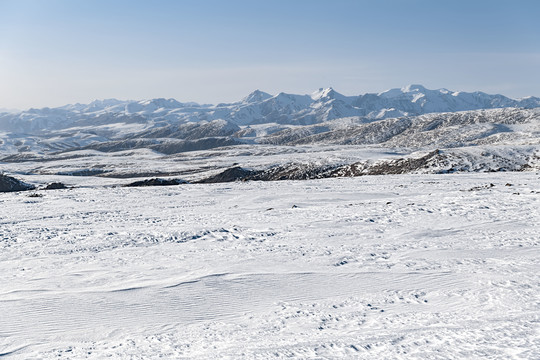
57, 52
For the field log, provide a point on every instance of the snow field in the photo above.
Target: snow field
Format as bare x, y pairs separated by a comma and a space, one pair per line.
408, 266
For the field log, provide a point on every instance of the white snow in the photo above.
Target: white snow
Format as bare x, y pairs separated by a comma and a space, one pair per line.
259, 107
417, 266
404, 267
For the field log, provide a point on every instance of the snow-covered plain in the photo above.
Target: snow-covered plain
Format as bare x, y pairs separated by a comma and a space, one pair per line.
438, 262
400, 267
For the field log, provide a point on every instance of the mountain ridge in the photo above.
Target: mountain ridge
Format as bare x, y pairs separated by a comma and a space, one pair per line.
259, 107
324, 116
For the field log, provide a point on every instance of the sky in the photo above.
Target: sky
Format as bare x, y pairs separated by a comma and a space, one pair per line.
55, 52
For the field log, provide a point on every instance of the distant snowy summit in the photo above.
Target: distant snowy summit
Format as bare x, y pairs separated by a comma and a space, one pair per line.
259, 108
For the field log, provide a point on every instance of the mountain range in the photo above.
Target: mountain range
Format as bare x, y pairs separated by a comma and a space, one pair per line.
325, 116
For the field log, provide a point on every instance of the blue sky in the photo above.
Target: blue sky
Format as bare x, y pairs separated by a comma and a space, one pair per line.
54, 52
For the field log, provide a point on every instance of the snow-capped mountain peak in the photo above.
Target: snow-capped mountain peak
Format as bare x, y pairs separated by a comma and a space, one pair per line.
256, 96
321, 93
413, 88
259, 107
163, 103
329, 94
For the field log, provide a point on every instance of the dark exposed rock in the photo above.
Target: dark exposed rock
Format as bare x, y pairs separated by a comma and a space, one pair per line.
397, 166
55, 186
236, 173
157, 182
164, 146
179, 146
295, 171
84, 172
484, 187
280, 172
9, 184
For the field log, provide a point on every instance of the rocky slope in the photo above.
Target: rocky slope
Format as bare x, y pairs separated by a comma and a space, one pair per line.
253, 118
466, 128
11, 184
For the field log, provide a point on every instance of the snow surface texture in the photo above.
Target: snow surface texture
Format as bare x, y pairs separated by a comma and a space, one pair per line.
404, 267
440, 261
